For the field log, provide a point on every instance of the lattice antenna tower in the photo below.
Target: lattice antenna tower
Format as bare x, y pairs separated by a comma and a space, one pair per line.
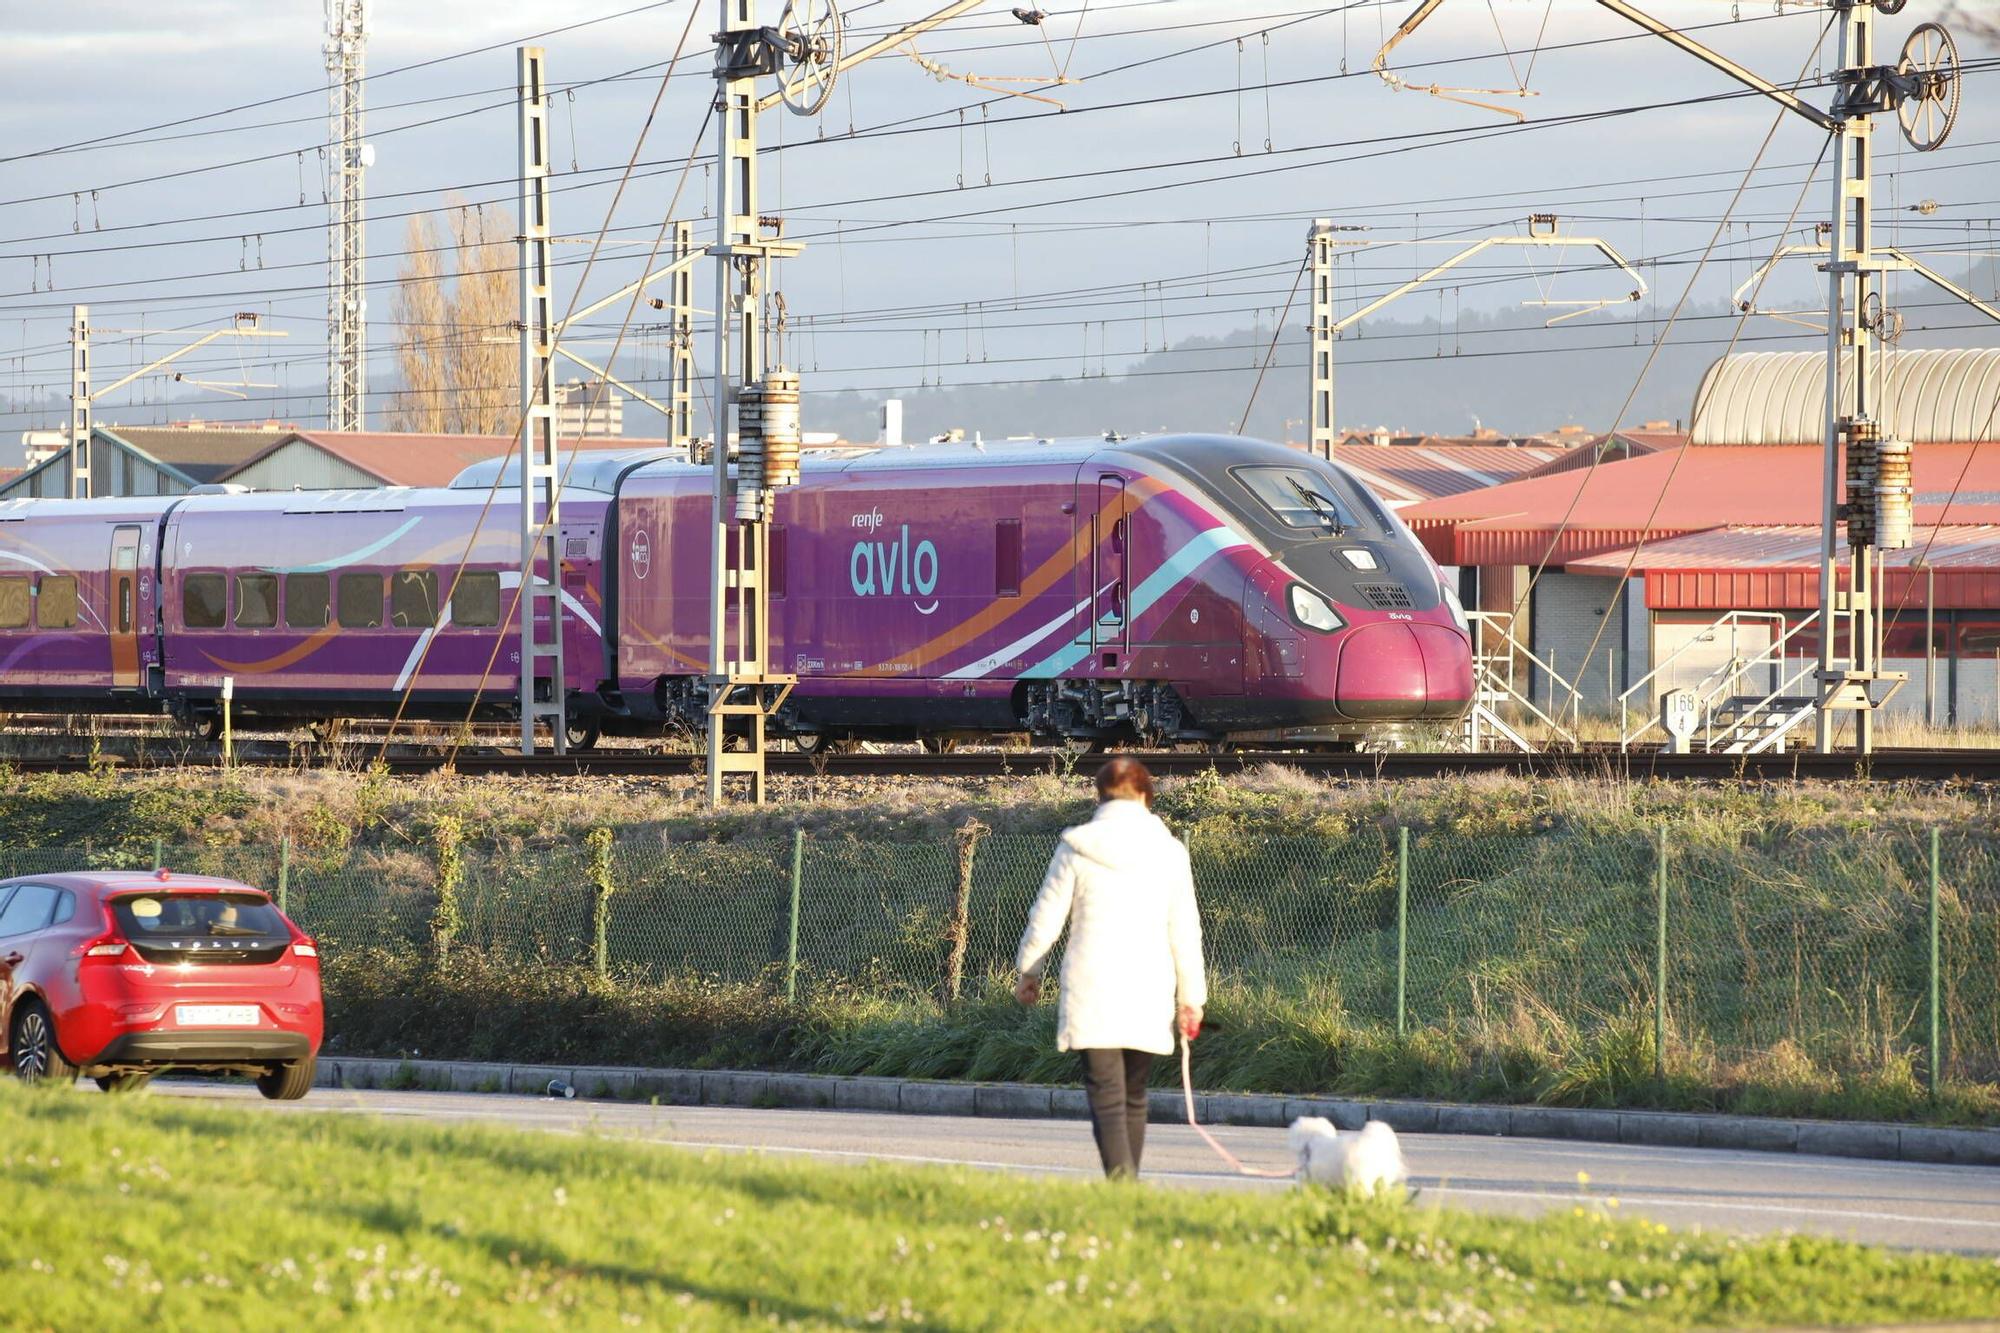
348, 159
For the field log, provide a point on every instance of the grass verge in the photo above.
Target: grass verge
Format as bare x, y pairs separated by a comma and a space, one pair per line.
1256, 1039
178, 1215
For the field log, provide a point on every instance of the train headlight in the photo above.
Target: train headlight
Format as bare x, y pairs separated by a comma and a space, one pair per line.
1311, 610
1457, 607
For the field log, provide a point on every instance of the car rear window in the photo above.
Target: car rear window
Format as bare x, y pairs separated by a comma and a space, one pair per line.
201, 927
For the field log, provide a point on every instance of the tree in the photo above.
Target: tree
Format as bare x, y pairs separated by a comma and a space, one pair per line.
457, 362
422, 322
485, 304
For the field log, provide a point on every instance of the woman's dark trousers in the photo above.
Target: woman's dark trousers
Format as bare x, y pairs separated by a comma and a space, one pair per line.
1115, 1082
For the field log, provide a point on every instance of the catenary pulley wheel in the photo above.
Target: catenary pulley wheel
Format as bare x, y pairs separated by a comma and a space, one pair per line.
37, 1059
1930, 61
811, 28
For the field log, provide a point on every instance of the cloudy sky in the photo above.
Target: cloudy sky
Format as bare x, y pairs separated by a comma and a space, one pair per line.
165, 167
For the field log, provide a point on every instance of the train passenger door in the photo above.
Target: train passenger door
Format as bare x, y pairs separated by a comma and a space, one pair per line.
1111, 544
123, 622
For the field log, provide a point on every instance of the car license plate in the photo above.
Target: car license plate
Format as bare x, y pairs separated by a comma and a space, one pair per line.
216, 1015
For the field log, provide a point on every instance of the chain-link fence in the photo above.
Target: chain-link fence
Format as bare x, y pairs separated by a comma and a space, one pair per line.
1853, 951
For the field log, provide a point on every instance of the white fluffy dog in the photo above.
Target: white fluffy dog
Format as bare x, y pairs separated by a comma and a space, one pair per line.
1364, 1163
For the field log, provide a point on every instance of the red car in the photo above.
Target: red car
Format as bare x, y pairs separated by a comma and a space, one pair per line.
120, 974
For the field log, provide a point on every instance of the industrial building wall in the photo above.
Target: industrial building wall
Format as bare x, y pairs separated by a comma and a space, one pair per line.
1569, 612
116, 472
302, 465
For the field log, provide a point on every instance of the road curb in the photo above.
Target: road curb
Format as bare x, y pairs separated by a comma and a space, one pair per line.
731, 1087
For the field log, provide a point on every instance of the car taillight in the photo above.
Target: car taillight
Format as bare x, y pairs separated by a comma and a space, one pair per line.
104, 946
305, 950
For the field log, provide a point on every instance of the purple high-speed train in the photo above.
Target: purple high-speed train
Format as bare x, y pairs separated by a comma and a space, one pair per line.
1165, 588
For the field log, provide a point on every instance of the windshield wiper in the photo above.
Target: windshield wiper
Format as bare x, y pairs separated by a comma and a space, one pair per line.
1313, 499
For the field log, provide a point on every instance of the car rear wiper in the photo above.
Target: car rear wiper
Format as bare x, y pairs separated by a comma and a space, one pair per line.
1312, 499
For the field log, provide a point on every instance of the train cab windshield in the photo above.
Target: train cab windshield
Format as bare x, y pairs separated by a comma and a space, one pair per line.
1309, 500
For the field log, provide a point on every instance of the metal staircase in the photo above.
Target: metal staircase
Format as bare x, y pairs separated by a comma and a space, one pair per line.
1751, 702
1496, 656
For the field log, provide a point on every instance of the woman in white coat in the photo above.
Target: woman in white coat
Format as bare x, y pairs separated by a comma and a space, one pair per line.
1132, 971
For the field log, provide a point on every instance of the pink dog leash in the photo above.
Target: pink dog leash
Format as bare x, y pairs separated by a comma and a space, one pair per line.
1187, 1091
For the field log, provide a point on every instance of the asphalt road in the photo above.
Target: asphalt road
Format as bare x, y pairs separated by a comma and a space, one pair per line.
1889, 1203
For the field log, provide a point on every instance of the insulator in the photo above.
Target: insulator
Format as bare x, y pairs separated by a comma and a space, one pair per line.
1863, 466
767, 423
1895, 517
780, 421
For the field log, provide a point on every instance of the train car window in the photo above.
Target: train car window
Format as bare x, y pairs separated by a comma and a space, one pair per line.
413, 598
475, 601
779, 547
14, 601
204, 601
360, 601
1007, 558
306, 599
55, 602
256, 601
1297, 497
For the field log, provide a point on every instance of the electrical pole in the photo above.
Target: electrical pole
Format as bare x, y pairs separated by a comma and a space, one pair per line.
1320, 418
540, 597
680, 399
804, 54
1542, 235
1923, 90
83, 395
79, 403
346, 302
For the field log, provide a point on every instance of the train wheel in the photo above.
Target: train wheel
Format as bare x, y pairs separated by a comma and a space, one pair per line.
580, 733
939, 744
821, 742
1080, 745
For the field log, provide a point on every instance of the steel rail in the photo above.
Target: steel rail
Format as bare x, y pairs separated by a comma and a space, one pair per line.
1883, 766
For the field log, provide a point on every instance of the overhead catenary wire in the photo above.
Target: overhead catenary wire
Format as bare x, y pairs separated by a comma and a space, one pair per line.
1680, 455
534, 393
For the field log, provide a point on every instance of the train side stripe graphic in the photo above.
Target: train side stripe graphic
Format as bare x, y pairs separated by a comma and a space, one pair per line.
320, 638
1043, 577
992, 660
298, 652
82, 606
507, 580
1156, 585
352, 557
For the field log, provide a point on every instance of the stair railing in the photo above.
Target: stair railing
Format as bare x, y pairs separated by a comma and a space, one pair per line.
1493, 677
1721, 682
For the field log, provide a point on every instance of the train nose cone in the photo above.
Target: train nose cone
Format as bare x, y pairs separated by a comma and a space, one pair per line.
1403, 671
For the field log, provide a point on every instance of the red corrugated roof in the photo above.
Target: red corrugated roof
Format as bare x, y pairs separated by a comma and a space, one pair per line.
1565, 518
1403, 474
1777, 569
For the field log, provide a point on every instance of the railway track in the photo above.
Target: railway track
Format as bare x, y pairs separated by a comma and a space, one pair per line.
1884, 766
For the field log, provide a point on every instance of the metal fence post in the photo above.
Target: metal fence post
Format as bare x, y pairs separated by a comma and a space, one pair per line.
1402, 929
1660, 959
599, 841
1936, 1042
158, 860
792, 944
284, 875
